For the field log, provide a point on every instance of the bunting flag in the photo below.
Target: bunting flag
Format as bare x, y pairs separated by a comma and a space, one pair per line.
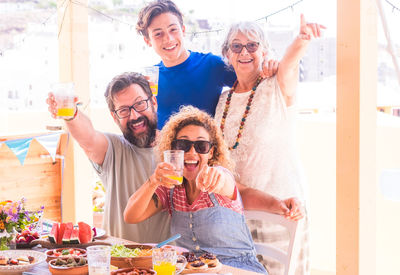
50, 143
19, 147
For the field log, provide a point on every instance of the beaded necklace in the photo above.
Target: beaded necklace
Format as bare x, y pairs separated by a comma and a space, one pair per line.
246, 112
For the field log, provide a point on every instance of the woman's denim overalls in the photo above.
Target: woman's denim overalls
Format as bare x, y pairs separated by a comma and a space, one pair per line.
217, 230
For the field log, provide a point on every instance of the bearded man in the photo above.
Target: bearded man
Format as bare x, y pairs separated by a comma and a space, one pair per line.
123, 162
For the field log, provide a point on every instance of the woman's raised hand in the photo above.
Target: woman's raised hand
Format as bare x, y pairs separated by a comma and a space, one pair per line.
309, 30
160, 175
210, 179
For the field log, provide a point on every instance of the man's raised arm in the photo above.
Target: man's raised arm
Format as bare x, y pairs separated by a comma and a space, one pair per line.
94, 143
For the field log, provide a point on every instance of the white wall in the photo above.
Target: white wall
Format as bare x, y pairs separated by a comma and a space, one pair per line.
317, 149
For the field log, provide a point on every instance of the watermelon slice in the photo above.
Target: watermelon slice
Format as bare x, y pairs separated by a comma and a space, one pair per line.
74, 239
85, 233
61, 233
54, 233
67, 233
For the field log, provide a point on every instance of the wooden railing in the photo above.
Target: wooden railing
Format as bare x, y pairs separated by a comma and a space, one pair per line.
38, 180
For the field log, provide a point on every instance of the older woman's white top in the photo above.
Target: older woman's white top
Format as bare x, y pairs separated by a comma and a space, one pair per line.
266, 157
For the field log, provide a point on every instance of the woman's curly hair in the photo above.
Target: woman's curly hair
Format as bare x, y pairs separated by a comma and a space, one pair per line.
189, 115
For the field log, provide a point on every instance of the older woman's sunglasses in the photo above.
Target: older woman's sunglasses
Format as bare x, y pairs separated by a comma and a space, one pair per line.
201, 146
251, 47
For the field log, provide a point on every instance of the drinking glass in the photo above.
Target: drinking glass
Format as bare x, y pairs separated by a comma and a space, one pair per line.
64, 96
99, 257
165, 261
176, 158
152, 72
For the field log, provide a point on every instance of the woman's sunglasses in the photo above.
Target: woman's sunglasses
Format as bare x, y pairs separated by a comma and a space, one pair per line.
201, 146
251, 47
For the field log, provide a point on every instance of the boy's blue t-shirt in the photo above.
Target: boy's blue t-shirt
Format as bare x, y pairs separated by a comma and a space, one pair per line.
198, 81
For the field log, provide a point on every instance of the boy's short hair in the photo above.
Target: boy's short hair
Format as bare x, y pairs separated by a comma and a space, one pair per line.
153, 9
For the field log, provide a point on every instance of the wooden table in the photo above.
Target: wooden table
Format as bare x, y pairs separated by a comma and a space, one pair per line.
42, 269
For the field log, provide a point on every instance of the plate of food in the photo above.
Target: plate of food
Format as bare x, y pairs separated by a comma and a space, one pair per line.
26, 237
18, 261
206, 263
64, 253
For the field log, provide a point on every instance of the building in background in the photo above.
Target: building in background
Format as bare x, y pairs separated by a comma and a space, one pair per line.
114, 44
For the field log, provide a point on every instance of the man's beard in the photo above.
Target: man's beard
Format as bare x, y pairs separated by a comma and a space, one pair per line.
144, 139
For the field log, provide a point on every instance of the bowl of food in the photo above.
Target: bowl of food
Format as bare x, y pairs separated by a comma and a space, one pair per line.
133, 255
65, 252
133, 271
25, 238
18, 261
69, 266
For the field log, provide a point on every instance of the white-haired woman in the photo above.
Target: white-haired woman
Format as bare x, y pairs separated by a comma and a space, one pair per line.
257, 120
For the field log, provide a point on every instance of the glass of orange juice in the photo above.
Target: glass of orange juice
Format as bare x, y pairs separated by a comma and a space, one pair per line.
165, 261
152, 72
176, 158
64, 96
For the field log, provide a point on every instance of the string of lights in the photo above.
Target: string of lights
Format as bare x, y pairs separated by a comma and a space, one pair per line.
279, 11
62, 21
394, 8
194, 34
203, 32
65, 4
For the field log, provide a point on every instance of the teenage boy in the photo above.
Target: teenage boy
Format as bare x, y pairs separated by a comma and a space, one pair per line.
185, 77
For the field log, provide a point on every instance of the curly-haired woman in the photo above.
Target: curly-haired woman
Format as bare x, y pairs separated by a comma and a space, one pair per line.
206, 209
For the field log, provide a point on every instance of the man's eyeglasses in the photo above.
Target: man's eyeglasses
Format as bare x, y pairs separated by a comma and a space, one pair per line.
251, 47
139, 106
201, 146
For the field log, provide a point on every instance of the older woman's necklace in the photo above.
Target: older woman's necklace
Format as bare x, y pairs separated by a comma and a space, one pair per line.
246, 111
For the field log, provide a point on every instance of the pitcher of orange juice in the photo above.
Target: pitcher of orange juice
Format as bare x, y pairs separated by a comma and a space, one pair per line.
165, 261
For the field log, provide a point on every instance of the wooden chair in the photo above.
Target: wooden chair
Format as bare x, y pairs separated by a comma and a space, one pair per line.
285, 257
